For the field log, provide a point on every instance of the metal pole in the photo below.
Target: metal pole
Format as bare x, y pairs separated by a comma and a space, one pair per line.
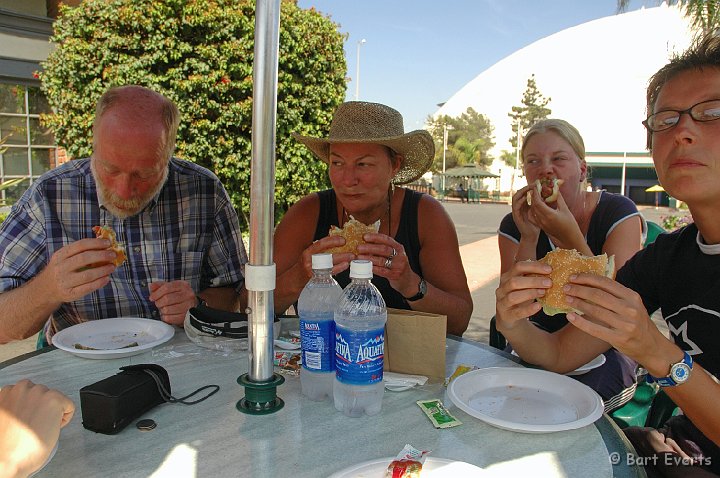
517, 161
622, 179
260, 383
357, 70
262, 181
444, 151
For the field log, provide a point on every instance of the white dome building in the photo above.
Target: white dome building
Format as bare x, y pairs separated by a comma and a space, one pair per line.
596, 76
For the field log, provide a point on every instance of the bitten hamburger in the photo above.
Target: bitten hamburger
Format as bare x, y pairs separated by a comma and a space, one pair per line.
547, 188
104, 232
353, 232
564, 263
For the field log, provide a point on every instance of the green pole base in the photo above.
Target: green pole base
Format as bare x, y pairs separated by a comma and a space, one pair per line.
260, 397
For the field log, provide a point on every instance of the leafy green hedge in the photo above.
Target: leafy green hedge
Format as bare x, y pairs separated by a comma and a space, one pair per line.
199, 53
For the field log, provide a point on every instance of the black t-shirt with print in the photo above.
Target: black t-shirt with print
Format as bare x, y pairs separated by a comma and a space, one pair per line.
682, 277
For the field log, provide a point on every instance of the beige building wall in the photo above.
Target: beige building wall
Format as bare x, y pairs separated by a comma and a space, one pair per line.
33, 49
28, 7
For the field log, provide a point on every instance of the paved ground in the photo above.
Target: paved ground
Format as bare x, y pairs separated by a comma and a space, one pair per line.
476, 225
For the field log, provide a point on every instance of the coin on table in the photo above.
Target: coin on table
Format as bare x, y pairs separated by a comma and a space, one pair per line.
146, 425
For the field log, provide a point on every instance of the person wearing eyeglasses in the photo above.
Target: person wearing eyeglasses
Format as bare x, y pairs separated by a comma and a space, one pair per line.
678, 273
592, 222
31, 417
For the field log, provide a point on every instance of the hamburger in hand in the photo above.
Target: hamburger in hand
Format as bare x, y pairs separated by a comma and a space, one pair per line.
564, 263
105, 232
353, 232
547, 188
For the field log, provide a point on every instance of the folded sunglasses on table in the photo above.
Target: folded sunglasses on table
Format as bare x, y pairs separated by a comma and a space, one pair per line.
221, 323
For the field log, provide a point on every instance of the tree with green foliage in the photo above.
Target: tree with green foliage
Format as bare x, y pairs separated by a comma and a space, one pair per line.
532, 110
510, 158
704, 15
199, 53
470, 137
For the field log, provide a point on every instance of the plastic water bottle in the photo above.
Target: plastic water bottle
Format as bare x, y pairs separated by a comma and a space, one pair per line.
316, 305
359, 345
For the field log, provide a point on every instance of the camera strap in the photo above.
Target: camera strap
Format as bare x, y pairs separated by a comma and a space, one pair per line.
164, 390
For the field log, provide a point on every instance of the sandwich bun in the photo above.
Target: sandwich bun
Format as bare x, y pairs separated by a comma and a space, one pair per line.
547, 188
353, 232
104, 232
564, 263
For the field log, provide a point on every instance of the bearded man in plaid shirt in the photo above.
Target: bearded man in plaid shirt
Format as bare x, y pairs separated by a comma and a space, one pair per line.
180, 232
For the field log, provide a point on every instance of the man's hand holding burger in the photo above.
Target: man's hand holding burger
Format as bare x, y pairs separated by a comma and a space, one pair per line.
603, 308
529, 285
613, 313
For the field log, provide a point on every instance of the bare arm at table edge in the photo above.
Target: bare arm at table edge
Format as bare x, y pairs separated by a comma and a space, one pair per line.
448, 292
294, 247
516, 297
66, 278
225, 298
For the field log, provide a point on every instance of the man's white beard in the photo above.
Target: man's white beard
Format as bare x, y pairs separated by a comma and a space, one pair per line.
124, 208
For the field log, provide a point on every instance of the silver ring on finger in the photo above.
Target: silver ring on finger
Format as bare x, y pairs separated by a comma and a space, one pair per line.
388, 262
393, 254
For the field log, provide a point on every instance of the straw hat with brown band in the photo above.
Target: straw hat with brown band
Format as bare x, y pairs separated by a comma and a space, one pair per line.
374, 123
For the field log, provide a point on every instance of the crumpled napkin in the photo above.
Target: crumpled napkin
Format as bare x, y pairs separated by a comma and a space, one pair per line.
402, 381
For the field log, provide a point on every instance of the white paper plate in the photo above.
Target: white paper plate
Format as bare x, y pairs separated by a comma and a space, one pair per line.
432, 468
526, 400
594, 363
112, 336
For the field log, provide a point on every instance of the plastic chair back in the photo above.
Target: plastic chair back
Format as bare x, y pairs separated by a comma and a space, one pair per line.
653, 231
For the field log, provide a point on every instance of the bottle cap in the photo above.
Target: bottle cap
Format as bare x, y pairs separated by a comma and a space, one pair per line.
361, 269
322, 261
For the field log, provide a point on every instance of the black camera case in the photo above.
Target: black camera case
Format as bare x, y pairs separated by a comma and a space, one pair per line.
111, 404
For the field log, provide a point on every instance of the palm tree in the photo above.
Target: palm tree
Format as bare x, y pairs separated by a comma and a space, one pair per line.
704, 15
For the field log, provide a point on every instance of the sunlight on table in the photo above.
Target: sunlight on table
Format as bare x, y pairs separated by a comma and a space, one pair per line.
181, 462
529, 465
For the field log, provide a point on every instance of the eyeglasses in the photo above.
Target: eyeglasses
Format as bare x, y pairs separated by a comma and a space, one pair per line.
702, 112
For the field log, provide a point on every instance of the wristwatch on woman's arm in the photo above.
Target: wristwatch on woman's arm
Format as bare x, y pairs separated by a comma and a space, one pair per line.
422, 290
679, 373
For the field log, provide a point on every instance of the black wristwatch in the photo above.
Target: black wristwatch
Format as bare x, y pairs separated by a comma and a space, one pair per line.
422, 290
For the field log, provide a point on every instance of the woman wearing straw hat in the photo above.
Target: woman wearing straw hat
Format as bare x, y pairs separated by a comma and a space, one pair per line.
415, 254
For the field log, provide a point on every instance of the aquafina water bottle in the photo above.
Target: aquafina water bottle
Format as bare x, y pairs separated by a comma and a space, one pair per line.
359, 344
316, 305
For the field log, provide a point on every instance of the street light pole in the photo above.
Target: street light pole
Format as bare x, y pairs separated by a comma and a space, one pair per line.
445, 134
517, 161
357, 70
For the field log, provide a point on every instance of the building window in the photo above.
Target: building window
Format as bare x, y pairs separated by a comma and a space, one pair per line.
28, 148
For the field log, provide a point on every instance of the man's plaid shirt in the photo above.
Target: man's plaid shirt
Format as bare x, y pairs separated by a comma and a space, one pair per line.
189, 231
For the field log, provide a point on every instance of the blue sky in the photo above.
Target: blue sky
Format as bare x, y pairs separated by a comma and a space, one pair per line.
418, 53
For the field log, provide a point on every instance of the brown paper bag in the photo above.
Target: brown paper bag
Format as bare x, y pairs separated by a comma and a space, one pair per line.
415, 343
